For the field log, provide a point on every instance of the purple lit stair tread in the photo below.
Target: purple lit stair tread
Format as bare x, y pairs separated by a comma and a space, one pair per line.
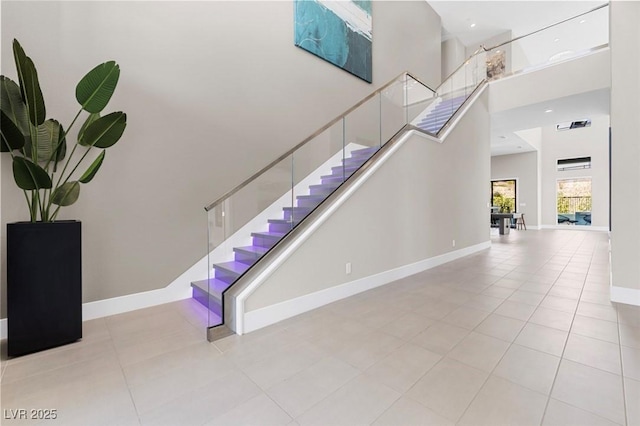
324, 188
297, 209
269, 234
212, 286
234, 267
313, 197
354, 160
283, 222
364, 151
252, 249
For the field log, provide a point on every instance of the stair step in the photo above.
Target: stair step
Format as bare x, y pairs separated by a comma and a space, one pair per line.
364, 152
209, 294
441, 113
323, 189
430, 129
281, 225
310, 200
249, 254
266, 239
350, 161
297, 213
346, 168
439, 121
333, 179
229, 271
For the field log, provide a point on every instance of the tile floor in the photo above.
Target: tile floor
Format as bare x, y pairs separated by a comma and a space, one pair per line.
520, 334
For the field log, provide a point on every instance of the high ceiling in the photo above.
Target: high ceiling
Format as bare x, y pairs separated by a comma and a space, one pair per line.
493, 18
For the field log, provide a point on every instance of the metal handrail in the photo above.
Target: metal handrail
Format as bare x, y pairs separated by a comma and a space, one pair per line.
311, 137
483, 49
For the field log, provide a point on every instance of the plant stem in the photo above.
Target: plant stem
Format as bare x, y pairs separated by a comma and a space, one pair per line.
55, 213
77, 165
66, 165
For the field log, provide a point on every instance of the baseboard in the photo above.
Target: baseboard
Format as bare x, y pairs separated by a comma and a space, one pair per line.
576, 228
629, 296
263, 317
178, 290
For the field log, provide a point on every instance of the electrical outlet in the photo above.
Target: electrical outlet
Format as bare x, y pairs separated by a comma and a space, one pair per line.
453, 243
348, 268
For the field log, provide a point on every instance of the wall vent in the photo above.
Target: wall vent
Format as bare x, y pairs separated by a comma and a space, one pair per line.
574, 163
579, 124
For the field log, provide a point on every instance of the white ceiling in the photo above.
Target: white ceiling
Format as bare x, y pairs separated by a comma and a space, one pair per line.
495, 17
505, 124
492, 18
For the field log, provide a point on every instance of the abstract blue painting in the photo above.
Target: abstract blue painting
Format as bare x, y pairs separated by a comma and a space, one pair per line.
337, 31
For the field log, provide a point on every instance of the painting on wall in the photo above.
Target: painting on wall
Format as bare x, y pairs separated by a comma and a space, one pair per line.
338, 32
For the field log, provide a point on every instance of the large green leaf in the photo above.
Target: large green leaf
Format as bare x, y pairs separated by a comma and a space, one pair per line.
30, 176
105, 131
12, 137
29, 85
48, 138
12, 105
20, 59
90, 119
95, 89
66, 194
93, 169
61, 151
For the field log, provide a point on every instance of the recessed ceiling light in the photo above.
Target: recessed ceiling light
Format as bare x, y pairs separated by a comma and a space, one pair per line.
556, 40
583, 21
549, 110
503, 137
472, 25
497, 51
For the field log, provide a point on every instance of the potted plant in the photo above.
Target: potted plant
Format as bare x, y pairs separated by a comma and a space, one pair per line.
44, 272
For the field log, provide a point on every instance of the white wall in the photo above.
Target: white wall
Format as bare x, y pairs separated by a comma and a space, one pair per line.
426, 195
453, 54
625, 151
588, 73
524, 168
213, 90
586, 142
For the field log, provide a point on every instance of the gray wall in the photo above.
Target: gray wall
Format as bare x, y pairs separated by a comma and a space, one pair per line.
411, 209
213, 90
524, 168
625, 135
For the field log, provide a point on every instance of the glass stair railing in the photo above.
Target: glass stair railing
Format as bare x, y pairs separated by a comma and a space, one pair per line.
248, 221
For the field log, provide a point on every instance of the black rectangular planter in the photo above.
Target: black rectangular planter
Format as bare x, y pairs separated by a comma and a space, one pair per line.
44, 285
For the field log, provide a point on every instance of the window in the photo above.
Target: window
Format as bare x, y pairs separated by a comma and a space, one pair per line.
574, 201
574, 164
503, 195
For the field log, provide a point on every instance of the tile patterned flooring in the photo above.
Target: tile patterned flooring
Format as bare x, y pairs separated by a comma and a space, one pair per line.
520, 334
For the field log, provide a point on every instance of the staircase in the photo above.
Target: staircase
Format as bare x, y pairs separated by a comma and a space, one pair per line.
209, 292
442, 112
